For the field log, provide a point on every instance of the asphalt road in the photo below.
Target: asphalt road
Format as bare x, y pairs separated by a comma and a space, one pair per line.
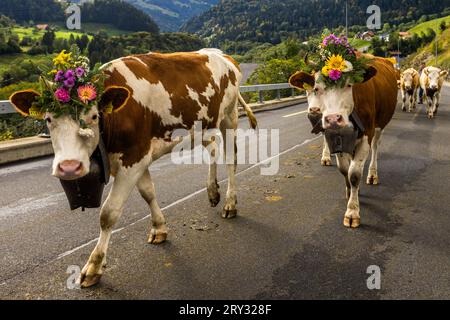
288, 241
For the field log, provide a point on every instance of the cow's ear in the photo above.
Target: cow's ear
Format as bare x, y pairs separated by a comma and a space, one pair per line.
23, 101
113, 99
302, 80
444, 74
370, 73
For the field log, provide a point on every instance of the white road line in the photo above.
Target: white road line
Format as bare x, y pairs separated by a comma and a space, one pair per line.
295, 114
69, 252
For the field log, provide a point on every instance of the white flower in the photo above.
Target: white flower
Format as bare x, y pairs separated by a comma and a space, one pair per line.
348, 66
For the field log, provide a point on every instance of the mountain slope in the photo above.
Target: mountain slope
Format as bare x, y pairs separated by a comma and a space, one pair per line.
170, 15
272, 21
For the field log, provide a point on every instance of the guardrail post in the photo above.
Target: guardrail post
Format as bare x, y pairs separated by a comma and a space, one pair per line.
261, 97
293, 92
278, 94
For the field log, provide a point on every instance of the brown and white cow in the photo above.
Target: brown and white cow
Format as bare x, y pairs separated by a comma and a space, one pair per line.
431, 81
156, 94
409, 86
374, 101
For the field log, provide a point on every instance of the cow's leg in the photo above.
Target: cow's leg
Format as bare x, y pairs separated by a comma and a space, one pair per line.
352, 218
343, 163
109, 214
213, 186
415, 99
372, 178
411, 102
326, 155
403, 101
228, 128
437, 99
158, 233
430, 109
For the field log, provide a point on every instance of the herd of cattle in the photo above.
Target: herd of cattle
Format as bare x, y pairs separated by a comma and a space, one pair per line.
166, 92
430, 81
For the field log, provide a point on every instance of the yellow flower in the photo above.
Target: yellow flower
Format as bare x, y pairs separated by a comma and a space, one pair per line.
53, 72
336, 62
63, 60
326, 71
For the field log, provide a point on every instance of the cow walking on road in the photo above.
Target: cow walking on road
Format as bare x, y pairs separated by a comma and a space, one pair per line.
409, 86
431, 81
151, 96
374, 101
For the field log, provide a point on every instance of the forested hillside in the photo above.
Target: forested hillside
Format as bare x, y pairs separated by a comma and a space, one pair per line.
272, 21
170, 15
115, 12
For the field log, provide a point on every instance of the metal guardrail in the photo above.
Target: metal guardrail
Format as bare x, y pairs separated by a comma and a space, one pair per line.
261, 88
6, 107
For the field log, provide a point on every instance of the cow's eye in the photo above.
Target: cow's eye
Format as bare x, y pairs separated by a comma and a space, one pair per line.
94, 117
48, 119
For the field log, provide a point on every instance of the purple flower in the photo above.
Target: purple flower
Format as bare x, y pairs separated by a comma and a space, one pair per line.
59, 76
69, 74
62, 95
335, 75
70, 82
79, 72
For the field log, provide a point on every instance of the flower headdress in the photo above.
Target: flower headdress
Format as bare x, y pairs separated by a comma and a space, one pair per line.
71, 87
339, 64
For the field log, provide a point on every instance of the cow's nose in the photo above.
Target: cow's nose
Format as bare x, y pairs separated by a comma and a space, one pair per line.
314, 110
334, 121
70, 169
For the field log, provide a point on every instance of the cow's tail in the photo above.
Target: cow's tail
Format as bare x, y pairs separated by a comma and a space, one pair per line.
248, 110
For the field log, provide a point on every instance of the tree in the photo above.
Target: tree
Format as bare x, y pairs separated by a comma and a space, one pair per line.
48, 39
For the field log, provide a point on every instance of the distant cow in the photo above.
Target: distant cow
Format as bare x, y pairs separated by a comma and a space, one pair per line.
431, 82
374, 101
152, 96
409, 85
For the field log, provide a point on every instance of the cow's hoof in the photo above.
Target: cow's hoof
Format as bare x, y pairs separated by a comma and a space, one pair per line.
326, 162
214, 200
352, 222
87, 281
157, 236
229, 213
404, 109
372, 180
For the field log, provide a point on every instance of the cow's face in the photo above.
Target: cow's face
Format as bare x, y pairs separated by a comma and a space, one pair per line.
407, 79
335, 104
435, 77
74, 144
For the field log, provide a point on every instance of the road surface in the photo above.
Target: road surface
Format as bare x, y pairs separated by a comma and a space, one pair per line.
288, 241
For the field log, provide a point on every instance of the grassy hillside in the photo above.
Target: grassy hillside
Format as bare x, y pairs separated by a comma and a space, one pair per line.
433, 24
427, 54
63, 33
31, 32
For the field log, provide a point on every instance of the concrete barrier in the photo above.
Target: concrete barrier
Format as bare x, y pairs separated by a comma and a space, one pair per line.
34, 147
23, 149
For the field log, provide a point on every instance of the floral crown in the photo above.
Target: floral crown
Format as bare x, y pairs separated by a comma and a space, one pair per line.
71, 87
339, 63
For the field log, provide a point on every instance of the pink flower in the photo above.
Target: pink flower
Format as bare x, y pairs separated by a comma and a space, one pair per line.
335, 75
62, 95
87, 93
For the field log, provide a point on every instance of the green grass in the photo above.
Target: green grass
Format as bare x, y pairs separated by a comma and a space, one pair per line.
433, 24
10, 59
29, 32
359, 43
63, 33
